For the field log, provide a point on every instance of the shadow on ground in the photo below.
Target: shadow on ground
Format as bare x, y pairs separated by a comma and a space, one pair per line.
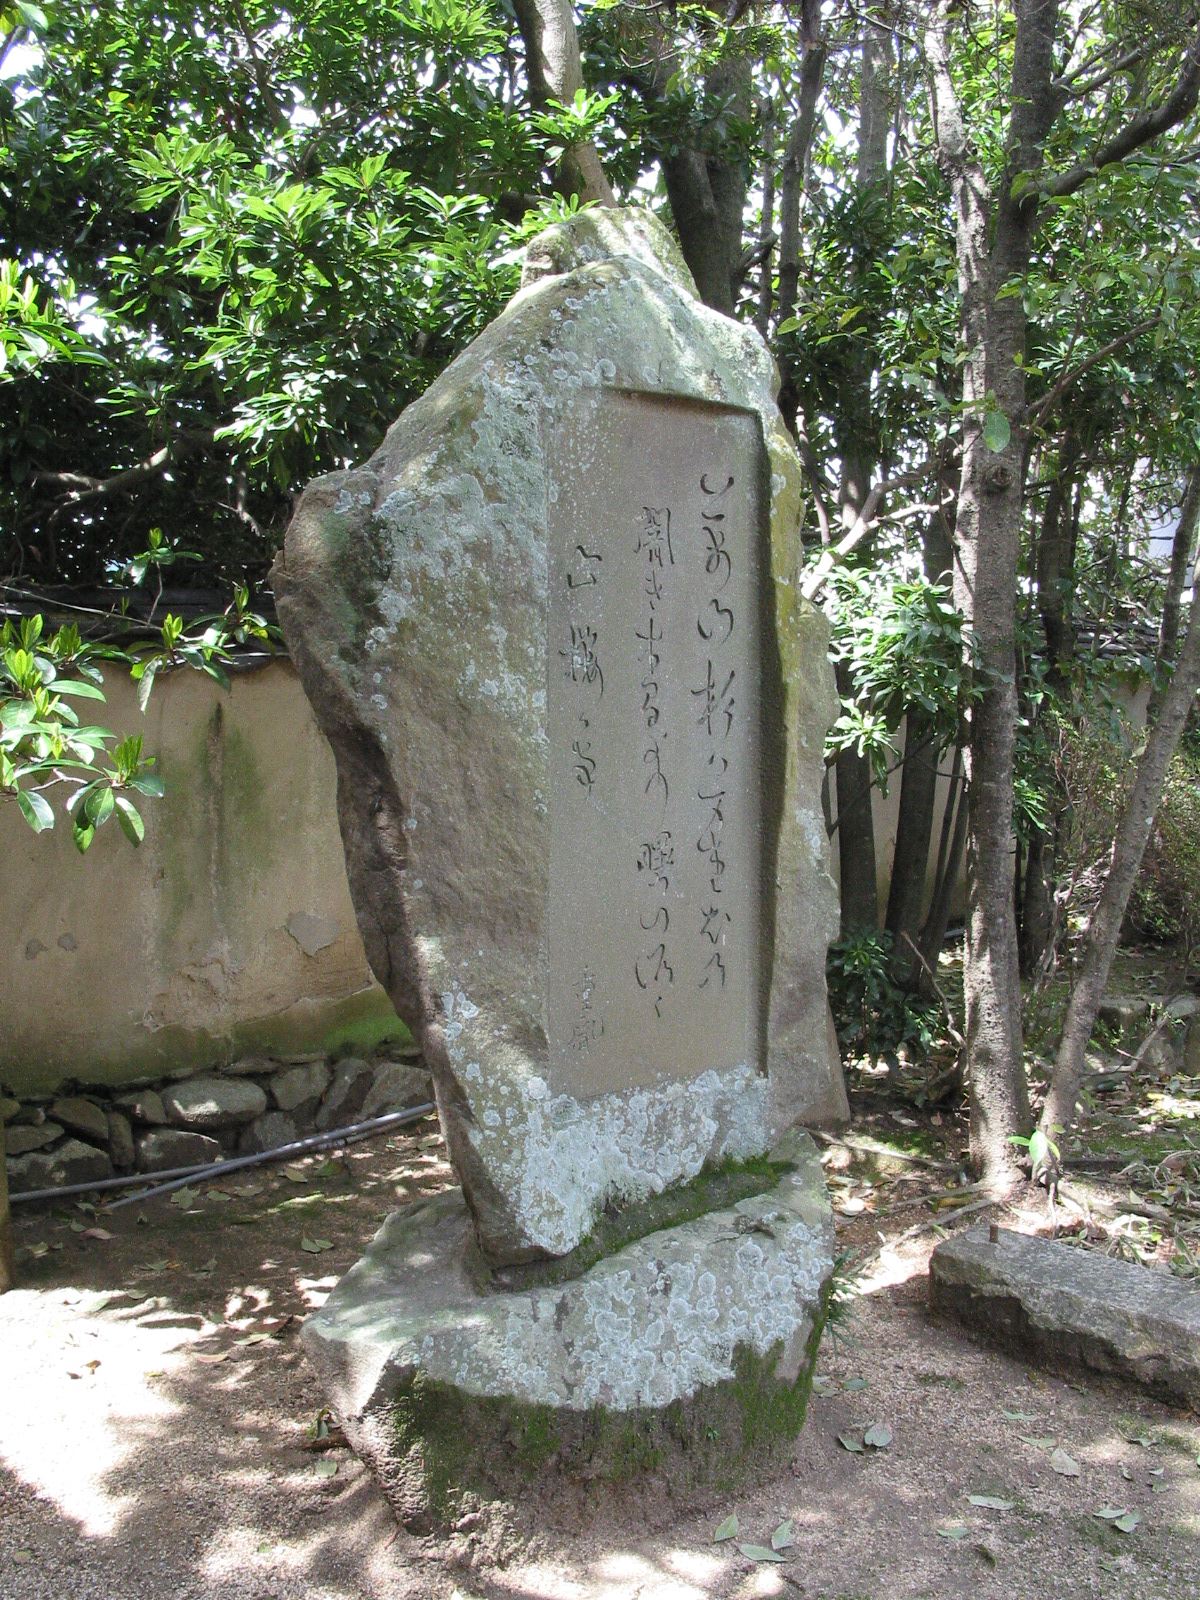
158, 1418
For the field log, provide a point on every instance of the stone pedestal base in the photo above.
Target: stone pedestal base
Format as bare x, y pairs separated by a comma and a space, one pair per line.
685, 1355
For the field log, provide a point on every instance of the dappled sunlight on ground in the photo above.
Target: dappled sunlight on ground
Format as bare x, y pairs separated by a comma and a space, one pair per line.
195, 1461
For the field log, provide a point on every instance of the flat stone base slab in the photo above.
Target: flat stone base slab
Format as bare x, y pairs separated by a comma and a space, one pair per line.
1068, 1308
685, 1356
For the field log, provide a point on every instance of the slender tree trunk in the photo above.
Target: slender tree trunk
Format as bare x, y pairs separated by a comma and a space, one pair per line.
855, 833
918, 798
994, 240
856, 431
791, 183
554, 72
951, 851
1129, 846
766, 230
1182, 557
1055, 575
914, 831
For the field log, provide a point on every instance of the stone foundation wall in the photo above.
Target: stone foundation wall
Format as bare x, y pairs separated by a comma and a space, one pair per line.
91, 1132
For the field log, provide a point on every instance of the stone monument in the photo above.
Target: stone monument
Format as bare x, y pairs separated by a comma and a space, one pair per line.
552, 632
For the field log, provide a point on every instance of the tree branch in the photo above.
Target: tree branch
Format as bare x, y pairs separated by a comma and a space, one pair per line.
1055, 394
555, 72
1139, 131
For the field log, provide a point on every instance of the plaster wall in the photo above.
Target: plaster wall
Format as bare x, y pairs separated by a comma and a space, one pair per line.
230, 931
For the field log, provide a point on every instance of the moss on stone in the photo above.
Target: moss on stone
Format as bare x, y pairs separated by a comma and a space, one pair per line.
715, 1188
451, 1445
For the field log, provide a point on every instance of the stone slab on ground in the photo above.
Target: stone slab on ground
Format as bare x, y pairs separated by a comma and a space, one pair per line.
1068, 1308
686, 1356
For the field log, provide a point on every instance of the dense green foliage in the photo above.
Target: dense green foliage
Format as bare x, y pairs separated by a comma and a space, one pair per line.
237, 243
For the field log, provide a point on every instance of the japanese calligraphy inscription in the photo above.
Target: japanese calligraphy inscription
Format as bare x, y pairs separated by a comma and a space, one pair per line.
656, 584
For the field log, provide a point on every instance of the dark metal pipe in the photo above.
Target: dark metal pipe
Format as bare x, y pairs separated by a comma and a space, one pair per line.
180, 1176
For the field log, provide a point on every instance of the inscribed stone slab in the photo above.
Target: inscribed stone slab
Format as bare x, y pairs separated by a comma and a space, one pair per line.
501, 807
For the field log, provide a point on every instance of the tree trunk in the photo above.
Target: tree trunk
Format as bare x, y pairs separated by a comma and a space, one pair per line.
1055, 574
1133, 832
951, 850
554, 72
994, 239
708, 196
914, 830
1182, 557
856, 432
855, 833
918, 798
791, 185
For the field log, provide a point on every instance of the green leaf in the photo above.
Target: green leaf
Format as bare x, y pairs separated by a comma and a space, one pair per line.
98, 806
325, 1468
991, 1502
130, 821
851, 1442
760, 1552
316, 1246
782, 1538
996, 431
36, 810
1128, 1522
32, 16
953, 1530
878, 1436
727, 1529
1066, 1466
83, 691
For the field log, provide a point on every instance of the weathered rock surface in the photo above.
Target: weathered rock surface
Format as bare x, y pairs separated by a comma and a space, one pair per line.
348, 1088
395, 1088
24, 1137
120, 1140
688, 1351
164, 1148
203, 1103
416, 595
1070, 1308
251, 1066
268, 1132
292, 1088
73, 1162
143, 1105
81, 1116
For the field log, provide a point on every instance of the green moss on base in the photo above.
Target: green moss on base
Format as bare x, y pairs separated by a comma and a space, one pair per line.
716, 1188
451, 1445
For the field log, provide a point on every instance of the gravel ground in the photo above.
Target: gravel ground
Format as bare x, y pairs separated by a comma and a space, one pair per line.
156, 1423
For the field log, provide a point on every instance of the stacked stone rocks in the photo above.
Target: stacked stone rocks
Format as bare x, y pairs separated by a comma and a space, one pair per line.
255, 1104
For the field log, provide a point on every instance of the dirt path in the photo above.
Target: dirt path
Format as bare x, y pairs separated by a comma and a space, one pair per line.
154, 1413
